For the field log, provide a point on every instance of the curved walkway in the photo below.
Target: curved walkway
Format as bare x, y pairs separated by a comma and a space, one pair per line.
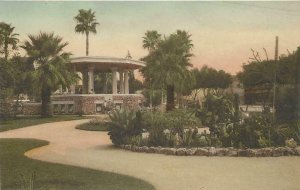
93, 150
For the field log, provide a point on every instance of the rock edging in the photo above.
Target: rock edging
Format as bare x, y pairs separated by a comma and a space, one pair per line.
212, 151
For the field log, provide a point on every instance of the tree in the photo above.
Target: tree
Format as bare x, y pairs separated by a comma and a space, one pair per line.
45, 50
7, 38
260, 75
211, 80
6, 83
167, 65
151, 40
86, 24
103, 82
134, 83
22, 80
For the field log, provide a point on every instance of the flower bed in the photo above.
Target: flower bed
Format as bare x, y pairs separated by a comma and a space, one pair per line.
212, 151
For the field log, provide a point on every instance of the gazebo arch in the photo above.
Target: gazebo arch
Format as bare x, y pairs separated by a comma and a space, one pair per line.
88, 65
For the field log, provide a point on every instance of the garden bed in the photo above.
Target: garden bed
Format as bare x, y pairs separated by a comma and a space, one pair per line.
212, 151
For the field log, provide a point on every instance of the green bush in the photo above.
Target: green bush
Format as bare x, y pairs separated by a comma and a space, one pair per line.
138, 141
190, 138
282, 133
95, 124
202, 141
168, 129
291, 143
155, 123
179, 128
256, 127
218, 111
124, 125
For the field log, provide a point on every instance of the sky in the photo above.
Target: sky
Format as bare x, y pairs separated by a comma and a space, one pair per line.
223, 33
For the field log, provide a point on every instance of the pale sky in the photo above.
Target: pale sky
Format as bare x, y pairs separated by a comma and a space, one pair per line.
222, 32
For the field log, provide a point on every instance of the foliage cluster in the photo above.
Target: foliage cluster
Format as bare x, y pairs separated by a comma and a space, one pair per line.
211, 80
95, 124
124, 125
167, 63
44, 69
231, 128
228, 127
262, 75
176, 128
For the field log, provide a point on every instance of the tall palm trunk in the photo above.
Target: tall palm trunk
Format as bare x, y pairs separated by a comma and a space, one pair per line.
87, 44
162, 99
46, 102
6, 50
105, 84
170, 98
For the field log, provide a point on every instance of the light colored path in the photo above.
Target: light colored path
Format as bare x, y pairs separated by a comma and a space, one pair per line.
93, 150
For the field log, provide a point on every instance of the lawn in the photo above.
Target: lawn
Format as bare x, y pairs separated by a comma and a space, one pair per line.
16, 172
93, 127
26, 121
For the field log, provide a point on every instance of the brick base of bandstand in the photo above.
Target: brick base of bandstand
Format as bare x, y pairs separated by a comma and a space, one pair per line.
87, 104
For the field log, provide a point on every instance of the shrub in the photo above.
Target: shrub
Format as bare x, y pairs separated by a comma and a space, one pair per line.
138, 141
202, 141
282, 133
95, 124
263, 142
256, 131
190, 138
168, 129
155, 123
157, 137
291, 143
124, 125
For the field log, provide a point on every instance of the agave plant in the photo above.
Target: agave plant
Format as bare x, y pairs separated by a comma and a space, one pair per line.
124, 125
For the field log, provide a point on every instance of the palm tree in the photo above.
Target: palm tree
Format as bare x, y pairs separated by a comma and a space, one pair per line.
7, 38
86, 24
45, 50
168, 64
151, 40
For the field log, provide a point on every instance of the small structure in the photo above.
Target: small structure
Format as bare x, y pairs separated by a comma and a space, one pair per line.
87, 102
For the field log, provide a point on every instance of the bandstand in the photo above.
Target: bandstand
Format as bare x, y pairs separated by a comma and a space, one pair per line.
86, 101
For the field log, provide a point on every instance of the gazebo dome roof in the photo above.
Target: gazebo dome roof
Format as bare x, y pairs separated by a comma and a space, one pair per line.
106, 63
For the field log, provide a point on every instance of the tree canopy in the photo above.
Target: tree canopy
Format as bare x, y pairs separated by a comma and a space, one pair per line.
284, 73
210, 79
86, 24
168, 62
45, 50
151, 40
7, 38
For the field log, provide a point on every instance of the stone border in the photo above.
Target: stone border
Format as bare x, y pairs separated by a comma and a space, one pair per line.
212, 151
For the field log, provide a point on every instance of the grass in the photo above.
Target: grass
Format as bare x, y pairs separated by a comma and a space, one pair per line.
95, 124
16, 171
92, 127
26, 121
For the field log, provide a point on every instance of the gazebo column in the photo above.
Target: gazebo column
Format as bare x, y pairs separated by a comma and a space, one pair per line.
85, 81
73, 86
126, 81
114, 81
60, 89
121, 82
91, 80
